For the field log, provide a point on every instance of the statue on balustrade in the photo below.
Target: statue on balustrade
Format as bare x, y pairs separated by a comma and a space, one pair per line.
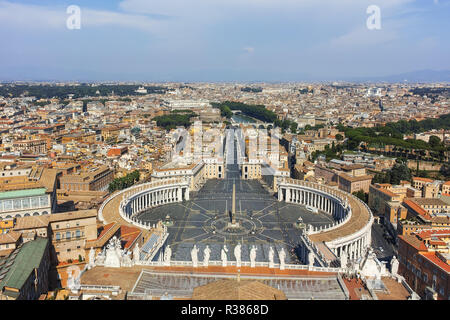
271, 256
136, 253
101, 256
253, 256
194, 256
311, 258
237, 254
394, 266
206, 255
282, 256
126, 260
167, 256
91, 258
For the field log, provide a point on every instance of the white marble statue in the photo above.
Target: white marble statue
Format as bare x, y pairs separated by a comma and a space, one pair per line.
194, 256
126, 260
271, 255
282, 256
91, 257
371, 267
206, 255
253, 256
237, 255
311, 258
223, 255
73, 281
100, 259
167, 256
113, 254
136, 253
394, 265
118, 246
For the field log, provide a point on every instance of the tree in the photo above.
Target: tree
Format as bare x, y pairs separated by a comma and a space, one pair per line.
339, 137
400, 172
360, 194
135, 131
379, 178
434, 142
124, 182
293, 127
445, 170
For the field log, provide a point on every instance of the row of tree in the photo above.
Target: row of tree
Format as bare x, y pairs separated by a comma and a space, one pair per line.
392, 134
175, 119
80, 91
250, 89
124, 182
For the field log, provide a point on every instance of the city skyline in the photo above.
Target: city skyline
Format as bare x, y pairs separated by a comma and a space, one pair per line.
273, 41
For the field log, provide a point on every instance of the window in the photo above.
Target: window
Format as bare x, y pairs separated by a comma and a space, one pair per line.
78, 233
58, 236
68, 235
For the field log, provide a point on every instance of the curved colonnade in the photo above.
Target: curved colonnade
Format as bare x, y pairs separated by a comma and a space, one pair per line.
351, 231
140, 198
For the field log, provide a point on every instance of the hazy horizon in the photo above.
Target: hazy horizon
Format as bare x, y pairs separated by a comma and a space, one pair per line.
224, 41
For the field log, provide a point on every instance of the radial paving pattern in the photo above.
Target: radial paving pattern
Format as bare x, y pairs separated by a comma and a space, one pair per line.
263, 220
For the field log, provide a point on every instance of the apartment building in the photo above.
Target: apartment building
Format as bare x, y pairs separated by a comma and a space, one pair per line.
194, 173
31, 195
425, 263
87, 179
431, 188
385, 201
30, 146
70, 231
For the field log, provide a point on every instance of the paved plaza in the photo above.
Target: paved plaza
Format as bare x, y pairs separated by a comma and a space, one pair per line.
264, 221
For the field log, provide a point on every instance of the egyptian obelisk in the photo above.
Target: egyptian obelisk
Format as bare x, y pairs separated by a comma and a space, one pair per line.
233, 223
233, 207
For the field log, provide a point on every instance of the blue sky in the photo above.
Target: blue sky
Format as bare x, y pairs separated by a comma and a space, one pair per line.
221, 40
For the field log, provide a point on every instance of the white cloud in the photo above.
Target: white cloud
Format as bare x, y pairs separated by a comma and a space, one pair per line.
183, 7
33, 17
